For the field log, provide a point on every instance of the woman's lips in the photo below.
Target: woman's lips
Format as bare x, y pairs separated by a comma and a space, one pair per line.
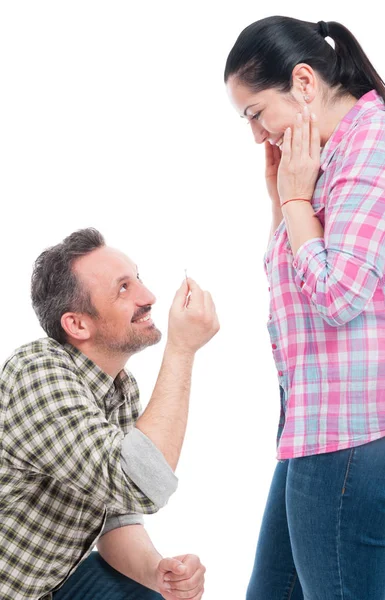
277, 142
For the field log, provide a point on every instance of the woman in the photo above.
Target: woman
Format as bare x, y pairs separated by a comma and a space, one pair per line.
323, 532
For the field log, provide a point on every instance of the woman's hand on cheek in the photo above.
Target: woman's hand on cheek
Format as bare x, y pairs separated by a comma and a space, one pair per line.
272, 160
300, 160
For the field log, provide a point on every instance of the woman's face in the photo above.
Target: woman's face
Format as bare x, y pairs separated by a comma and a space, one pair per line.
269, 112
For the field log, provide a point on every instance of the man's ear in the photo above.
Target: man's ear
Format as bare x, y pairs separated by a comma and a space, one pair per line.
77, 326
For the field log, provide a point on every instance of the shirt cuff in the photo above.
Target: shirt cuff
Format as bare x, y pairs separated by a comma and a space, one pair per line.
146, 466
309, 262
116, 521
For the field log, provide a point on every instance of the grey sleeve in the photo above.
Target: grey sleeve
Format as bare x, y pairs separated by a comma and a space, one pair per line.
116, 521
146, 466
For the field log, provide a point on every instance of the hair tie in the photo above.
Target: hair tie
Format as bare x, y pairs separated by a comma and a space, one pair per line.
323, 29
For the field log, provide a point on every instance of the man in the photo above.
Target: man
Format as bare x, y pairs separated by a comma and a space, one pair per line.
79, 464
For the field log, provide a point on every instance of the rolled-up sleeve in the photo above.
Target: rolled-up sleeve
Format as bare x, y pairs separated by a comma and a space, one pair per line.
146, 466
339, 273
117, 521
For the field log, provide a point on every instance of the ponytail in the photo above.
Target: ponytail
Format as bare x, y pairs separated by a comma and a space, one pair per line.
356, 73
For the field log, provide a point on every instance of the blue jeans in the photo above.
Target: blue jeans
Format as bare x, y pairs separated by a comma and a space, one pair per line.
323, 532
94, 579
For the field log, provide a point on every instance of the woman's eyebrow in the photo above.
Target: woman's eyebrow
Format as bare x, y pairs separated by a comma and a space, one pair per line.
250, 106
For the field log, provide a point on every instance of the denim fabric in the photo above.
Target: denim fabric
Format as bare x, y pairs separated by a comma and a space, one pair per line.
94, 579
323, 532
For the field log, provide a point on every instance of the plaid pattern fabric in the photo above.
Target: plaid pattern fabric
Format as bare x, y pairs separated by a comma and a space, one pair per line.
62, 422
327, 304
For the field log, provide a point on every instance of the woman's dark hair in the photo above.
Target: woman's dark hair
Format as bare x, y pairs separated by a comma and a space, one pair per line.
55, 287
267, 51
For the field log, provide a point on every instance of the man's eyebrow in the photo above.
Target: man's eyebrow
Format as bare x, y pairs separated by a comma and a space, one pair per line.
250, 106
126, 277
122, 278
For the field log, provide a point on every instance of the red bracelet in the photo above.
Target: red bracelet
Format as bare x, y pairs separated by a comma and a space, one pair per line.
295, 200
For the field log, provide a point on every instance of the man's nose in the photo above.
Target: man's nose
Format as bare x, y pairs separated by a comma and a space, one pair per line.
146, 297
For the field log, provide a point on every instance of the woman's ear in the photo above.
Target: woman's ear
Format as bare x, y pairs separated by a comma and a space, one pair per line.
304, 83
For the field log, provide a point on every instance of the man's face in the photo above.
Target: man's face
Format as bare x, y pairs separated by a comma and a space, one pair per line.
123, 303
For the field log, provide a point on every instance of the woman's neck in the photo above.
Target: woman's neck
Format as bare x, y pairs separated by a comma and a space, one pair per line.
332, 114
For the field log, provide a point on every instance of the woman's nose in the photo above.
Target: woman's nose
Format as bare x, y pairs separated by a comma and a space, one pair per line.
260, 134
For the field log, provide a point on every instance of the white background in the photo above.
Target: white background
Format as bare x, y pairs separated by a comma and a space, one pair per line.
114, 115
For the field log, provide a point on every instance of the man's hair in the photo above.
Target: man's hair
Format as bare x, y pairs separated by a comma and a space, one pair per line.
55, 288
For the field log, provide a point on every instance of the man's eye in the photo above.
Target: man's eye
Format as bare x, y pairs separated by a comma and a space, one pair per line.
123, 287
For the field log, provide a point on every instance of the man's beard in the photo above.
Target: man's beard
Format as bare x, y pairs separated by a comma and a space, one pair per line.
132, 343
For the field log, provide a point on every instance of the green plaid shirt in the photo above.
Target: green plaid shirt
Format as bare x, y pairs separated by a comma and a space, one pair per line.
72, 464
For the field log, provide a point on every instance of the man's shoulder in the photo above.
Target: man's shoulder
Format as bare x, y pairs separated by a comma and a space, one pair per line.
42, 353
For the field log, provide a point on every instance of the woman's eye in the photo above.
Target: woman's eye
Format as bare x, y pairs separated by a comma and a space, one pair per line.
254, 117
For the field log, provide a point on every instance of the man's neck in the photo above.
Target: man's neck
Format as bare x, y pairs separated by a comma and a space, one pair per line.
110, 363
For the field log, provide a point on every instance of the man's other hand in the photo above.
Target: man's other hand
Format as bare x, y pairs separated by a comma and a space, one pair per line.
181, 577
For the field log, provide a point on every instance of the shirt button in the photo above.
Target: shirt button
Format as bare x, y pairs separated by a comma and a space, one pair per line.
267, 260
295, 264
274, 346
269, 289
280, 373
270, 317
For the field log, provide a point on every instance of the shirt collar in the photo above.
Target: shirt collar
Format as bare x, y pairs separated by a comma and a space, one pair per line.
100, 383
125, 381
367, 102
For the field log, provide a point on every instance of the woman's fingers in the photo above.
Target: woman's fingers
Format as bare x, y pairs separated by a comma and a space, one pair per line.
272, 155
286, 147
305, 133
277, 155
269, 156
299, 164
315, 140
296, 146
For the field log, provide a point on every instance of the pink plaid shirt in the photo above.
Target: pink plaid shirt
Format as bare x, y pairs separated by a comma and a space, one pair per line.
327, 304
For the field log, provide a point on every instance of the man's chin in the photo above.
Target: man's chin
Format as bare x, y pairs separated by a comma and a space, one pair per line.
135, 343
156, 335
150, 338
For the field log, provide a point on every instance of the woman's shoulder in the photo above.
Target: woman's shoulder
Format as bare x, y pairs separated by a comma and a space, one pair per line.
366, 135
